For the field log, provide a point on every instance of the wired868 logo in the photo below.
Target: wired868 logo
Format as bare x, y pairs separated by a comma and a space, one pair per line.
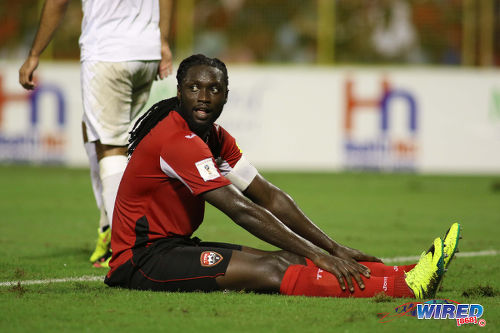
439, 309
462, 313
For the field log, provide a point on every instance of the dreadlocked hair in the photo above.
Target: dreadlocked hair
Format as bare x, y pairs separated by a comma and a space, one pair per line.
161, 109
149, 120
200, 59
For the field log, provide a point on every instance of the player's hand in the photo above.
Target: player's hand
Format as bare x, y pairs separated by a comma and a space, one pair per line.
26, 72
344, 270
165, 66
348, 253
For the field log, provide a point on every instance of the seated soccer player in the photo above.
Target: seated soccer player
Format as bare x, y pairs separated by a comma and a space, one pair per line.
180, 159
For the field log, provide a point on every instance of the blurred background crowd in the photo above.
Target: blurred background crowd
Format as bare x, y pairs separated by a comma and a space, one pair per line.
427, 32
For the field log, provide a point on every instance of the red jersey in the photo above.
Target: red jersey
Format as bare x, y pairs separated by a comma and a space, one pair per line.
159, 193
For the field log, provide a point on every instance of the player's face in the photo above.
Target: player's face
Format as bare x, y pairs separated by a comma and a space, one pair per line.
202, 96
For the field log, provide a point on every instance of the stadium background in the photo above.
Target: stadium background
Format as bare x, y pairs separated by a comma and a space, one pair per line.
364, 85
317, 88
443, 32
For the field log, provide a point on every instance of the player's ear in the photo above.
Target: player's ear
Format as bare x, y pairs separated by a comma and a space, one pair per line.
227, 95
178, 92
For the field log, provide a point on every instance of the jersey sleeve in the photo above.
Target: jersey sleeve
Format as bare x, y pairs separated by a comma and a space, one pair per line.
189, 160
233, 164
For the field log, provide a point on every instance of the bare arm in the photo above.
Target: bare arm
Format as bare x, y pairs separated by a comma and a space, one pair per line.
286, 210
165, 67
264, 225
52, 15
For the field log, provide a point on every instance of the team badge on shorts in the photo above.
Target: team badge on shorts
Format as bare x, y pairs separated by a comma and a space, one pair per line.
210, 258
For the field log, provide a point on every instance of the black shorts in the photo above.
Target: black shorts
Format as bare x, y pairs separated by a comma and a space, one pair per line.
174, 264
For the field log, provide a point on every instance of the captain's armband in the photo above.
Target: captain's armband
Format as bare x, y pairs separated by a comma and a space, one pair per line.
242, 174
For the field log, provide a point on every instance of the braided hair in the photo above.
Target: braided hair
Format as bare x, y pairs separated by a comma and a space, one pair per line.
149, 120
161, 109
200, 59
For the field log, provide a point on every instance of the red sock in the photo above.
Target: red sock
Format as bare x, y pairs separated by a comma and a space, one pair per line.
313, 281
310, 263
378, 268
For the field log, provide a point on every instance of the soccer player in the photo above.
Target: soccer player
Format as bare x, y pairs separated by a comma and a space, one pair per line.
180, 158
124, 47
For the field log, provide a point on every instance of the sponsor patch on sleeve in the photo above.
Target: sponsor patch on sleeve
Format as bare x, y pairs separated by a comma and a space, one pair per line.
210, 258
207, 169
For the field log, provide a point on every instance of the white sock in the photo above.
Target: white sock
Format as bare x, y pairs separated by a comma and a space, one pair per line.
103, 219
111, 169
95, 179
94, 172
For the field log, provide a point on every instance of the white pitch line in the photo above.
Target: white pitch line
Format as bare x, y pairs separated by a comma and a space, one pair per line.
89, 278
85, 278
460, 254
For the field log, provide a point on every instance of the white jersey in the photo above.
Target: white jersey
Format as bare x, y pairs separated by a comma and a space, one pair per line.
120, 30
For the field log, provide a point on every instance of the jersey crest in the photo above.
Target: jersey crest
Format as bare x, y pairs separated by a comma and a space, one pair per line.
210, 258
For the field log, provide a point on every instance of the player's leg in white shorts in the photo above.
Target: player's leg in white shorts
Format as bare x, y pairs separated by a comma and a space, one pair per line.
113, 97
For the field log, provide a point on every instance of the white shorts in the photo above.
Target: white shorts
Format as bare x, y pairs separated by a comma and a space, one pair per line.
114, 94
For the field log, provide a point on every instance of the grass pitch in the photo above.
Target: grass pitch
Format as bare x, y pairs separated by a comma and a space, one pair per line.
49, 220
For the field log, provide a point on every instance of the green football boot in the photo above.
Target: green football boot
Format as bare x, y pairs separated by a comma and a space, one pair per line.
424, 279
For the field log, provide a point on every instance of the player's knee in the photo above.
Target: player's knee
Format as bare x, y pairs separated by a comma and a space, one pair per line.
274, 268
292, 258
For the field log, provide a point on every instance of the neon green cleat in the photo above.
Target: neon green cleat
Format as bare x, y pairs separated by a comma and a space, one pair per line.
424, 279
450, 242
102, 246
103, 262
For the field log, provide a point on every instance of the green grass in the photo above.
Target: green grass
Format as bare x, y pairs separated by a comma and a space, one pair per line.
49, 220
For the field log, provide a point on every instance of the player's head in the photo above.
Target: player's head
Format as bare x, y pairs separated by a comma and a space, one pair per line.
202, 90
200, 59
191, 67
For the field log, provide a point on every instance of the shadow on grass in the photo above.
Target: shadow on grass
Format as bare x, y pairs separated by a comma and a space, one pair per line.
481, 291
